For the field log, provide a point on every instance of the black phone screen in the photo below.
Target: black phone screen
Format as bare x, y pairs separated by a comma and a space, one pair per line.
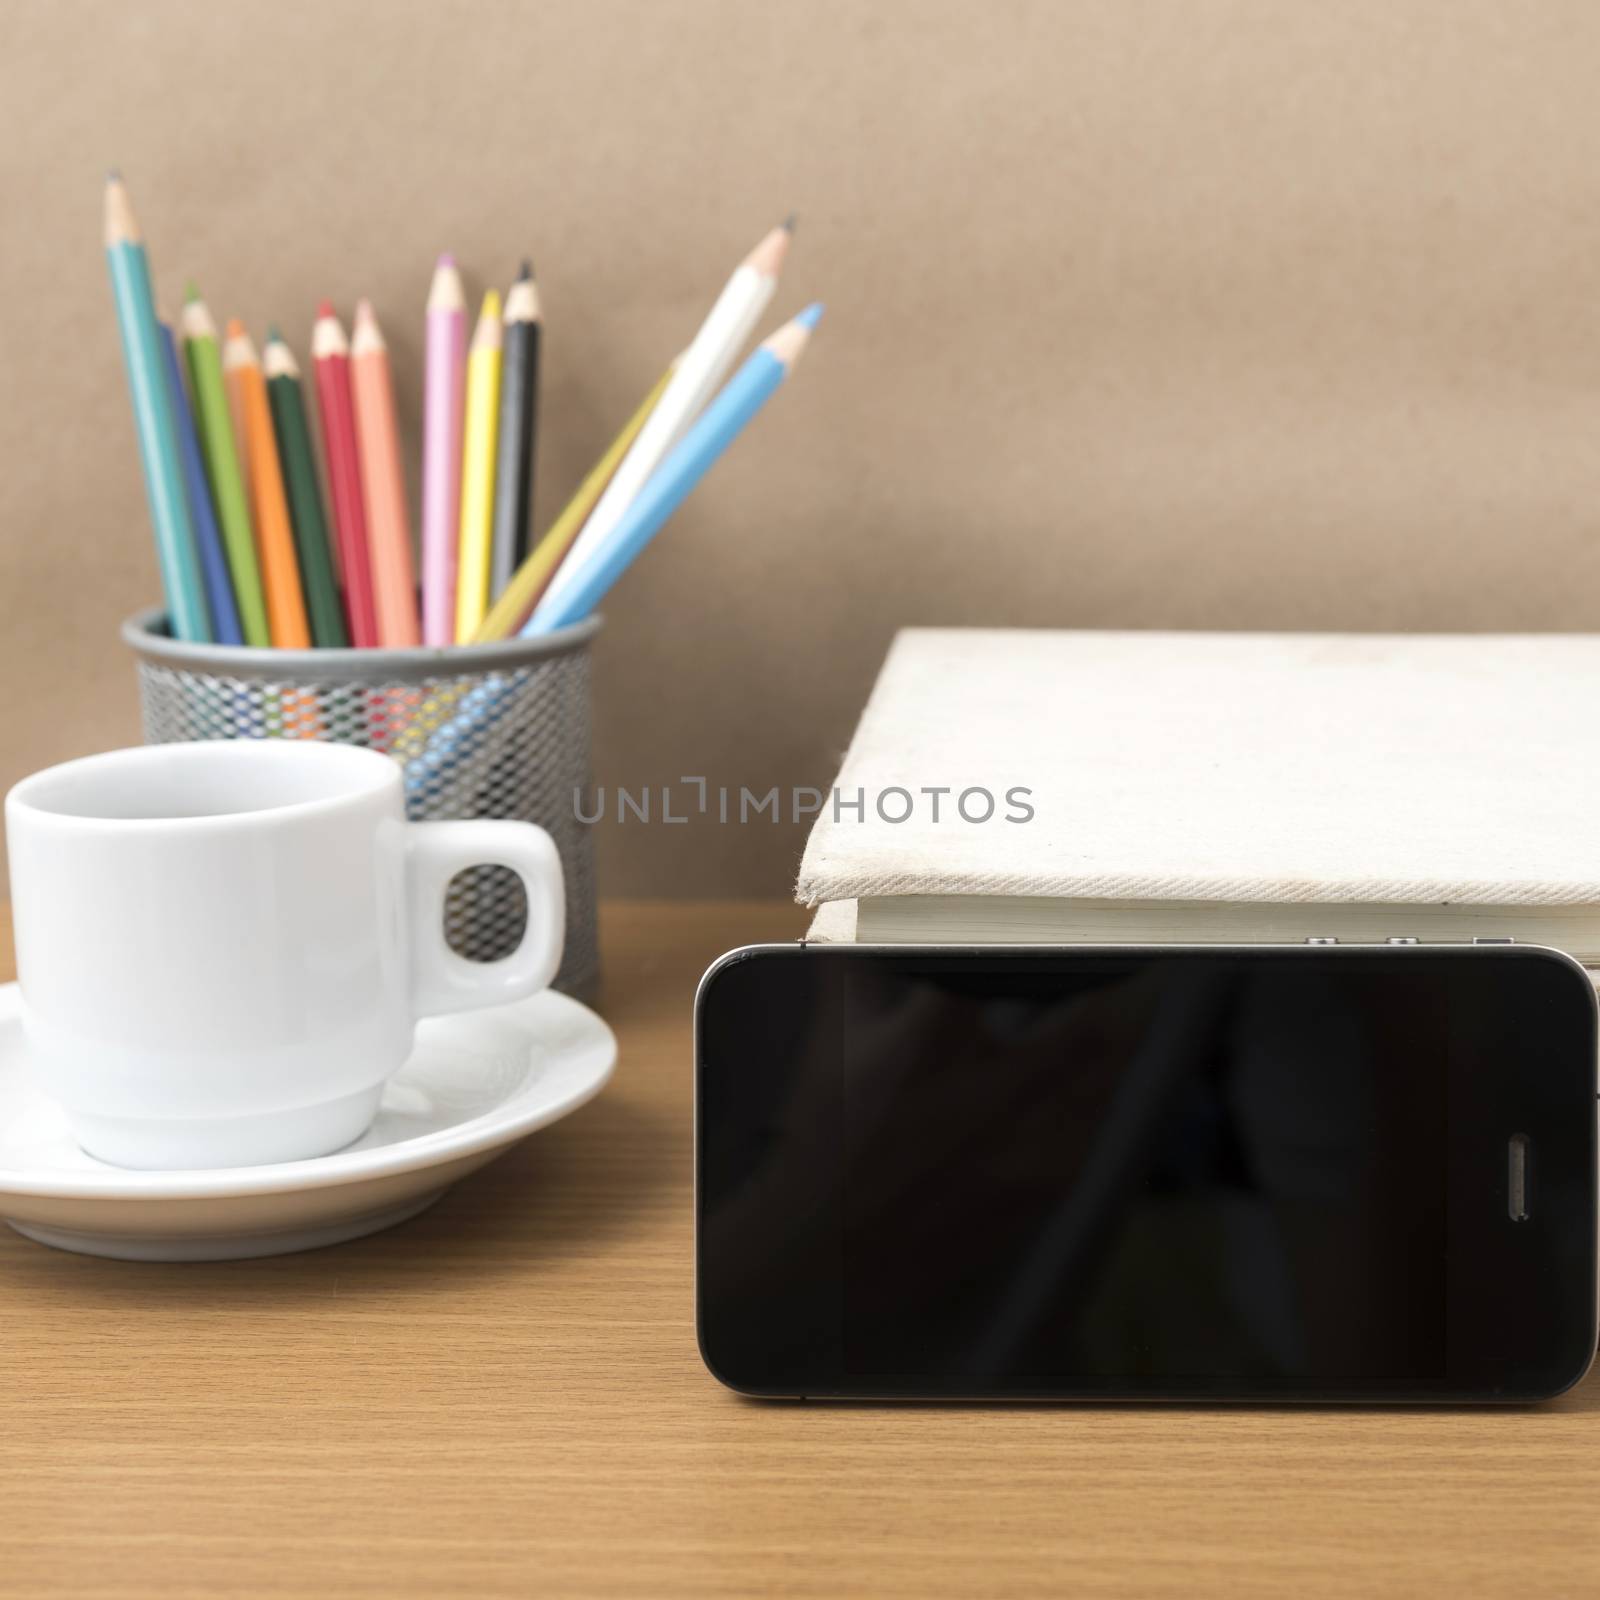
1195, 1174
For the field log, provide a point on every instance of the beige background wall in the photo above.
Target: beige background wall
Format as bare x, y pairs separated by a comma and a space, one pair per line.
1194, 314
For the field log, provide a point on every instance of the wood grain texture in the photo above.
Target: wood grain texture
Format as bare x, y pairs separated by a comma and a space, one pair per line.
503, 1397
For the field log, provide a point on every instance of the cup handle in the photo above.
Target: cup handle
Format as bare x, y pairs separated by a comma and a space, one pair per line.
443, 981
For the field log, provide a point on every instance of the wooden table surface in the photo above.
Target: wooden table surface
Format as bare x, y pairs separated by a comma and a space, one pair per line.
503, 1397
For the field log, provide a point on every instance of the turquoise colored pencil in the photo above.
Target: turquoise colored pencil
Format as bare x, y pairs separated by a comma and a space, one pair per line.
670, 484
152, 410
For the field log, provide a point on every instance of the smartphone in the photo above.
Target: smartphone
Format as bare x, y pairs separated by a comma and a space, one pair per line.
1260, 1173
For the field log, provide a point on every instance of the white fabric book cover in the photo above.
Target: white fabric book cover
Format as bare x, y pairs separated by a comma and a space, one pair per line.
1219, 786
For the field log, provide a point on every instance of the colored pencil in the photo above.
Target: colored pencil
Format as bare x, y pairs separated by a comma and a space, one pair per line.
222, 466
148, 384
477, 470
202, 515
529, 581
703, 365
462, 725
718, 426
293, 433
330, 360
519, 422
444, 401
280, 569
383, 483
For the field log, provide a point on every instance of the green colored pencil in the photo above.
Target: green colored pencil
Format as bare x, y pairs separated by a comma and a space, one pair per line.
323, 609
222, 463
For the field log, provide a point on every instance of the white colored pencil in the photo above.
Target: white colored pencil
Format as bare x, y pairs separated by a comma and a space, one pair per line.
444, 405
700, 370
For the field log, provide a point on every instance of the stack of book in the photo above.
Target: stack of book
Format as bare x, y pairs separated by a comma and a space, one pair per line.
1113, 788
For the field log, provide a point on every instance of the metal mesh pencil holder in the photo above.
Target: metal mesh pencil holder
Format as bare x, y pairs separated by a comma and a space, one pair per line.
497, 730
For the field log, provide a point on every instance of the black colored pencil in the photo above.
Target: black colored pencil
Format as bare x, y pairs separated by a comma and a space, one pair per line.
519, 412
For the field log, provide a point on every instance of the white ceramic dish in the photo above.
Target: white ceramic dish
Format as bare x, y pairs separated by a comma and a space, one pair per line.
474, 1084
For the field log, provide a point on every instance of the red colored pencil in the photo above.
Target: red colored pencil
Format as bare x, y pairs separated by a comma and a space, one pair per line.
330, 357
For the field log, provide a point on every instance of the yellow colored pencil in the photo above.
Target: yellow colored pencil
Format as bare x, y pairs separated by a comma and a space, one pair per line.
528, 582
479, 432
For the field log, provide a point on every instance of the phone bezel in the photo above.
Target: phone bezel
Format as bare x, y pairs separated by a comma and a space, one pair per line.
1545, 1365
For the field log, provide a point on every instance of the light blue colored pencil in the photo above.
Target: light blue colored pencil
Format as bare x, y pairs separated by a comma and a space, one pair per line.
460, 745
672, 482
152, 414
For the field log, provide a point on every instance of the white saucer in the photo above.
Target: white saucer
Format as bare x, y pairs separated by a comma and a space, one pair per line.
474, 1084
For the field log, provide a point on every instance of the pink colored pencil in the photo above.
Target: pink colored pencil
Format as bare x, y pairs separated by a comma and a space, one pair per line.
383, 483
443, 404
330, 355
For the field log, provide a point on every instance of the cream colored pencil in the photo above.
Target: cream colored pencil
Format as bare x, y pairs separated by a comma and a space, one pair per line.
443, 406
703, 366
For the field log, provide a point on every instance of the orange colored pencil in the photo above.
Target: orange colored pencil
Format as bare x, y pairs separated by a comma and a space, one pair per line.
280, 571
394, 578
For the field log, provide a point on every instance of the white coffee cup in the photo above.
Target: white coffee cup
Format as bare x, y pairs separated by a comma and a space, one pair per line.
223, 948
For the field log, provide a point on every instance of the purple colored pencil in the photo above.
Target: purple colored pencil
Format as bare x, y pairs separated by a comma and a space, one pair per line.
213, 563
444, 399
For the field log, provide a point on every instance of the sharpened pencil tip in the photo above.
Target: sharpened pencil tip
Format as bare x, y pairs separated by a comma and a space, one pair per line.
191, 292
487, 334
365, 334
767, 257
121, 226
325, 308
811, 316
113, 174
236, 328
273, 336
444, 288
790, 222
525, 272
